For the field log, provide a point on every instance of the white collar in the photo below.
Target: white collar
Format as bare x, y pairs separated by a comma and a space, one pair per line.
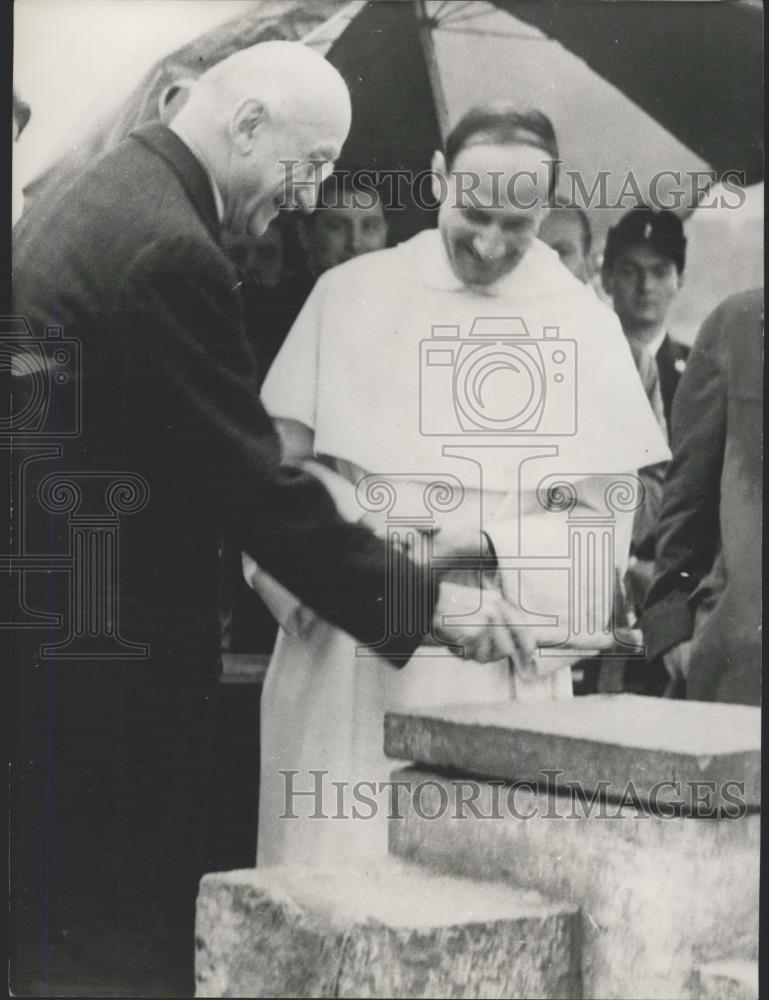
539, 271
654, 345
217, 194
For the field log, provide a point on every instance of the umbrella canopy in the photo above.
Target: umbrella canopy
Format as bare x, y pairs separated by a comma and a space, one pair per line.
697, 68
676, 86
395, 129
630, 87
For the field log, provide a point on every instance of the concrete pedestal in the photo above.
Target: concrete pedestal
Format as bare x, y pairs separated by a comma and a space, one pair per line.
605, 848
657, 896
661, 891
386, 929
696, 753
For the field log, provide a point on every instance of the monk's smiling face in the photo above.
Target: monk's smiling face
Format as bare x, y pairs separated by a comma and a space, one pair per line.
493, 202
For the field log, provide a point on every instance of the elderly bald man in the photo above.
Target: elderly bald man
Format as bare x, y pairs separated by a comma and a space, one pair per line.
111, 765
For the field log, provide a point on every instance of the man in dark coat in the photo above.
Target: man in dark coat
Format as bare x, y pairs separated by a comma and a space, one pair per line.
703, 613
110, 762
642, 270
643, 266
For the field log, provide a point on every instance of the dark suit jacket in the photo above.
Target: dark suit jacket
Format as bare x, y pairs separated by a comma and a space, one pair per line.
670, 361
129, 261
670, 353
708, 575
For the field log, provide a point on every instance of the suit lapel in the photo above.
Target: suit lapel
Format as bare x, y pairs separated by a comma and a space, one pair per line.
188, 169
668, 375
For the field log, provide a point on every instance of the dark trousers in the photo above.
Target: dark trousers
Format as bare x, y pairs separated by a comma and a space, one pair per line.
109, 788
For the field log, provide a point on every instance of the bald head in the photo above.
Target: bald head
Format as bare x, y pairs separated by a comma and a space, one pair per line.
268, 123
288, 77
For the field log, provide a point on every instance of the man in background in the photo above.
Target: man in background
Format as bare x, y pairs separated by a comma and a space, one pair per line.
567, 231
643, 266
348, 222
280, 268
642, 271
703, 613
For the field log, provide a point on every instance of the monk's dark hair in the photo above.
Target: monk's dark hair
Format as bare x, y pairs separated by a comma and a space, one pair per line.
503, 124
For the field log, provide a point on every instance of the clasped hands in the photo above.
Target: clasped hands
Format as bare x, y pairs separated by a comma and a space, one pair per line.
471, 612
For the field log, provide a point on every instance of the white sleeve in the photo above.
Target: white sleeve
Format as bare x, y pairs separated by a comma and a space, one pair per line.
342, 491
290, 389
541, 537
298, 443
287, 610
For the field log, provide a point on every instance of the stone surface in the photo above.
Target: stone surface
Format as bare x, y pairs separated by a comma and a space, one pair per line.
382, 929
667, 748
729, 980
658, 897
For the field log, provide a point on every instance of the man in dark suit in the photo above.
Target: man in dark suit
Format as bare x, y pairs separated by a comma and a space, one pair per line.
110, 762
703, 613
643, 266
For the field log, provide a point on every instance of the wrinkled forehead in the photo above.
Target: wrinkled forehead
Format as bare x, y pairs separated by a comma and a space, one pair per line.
315, 141
322, 117
505, 176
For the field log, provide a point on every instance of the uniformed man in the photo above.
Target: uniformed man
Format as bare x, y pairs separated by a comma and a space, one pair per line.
643, 268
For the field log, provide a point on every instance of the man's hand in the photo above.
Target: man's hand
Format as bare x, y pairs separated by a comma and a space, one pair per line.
495, 632
476, 560
459, 541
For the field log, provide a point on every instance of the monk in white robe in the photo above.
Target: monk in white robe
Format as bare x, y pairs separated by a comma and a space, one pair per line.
376, 377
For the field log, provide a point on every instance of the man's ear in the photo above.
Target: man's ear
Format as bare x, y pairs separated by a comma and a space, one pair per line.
245, 123
680, 280
173, 98
440, 176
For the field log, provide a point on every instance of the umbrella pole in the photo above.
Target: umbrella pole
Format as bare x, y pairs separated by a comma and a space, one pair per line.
425, 26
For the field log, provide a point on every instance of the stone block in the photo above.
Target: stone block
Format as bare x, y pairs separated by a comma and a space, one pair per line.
382, 928
736, 979
656, 895
700, 754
